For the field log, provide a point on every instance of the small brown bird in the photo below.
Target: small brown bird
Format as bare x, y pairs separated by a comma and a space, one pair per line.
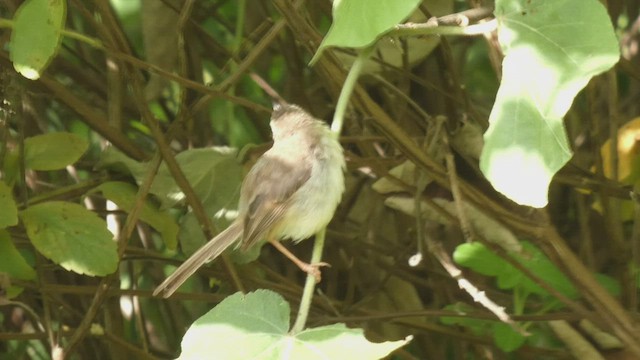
291, 192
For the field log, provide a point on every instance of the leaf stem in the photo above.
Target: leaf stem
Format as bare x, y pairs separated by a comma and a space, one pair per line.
10, 24
434, 29
347, 89
336, 128
309, 285
81, 37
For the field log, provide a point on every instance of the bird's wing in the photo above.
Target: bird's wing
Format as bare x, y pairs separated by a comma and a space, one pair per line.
271, 187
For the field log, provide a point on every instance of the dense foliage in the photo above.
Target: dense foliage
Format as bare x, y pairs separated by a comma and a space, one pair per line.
491, 208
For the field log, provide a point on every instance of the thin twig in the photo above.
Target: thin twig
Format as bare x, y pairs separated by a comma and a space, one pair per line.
458, 199
478, 296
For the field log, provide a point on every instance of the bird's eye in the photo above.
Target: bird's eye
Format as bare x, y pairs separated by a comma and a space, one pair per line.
278, 111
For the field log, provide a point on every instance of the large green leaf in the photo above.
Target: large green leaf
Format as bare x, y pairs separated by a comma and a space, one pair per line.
8, 209
36, 35
482, 260
53, 151
358, 23
214, 173
71, 236
256, 326
552, 49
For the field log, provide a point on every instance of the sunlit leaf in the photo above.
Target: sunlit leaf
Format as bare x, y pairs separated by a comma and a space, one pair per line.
551, 52
256, 326
358, 23
36, 35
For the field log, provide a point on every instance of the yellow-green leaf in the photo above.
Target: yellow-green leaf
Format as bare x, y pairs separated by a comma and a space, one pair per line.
8, 210
53, 151
11, 261
71, 236
36, 35
358, 23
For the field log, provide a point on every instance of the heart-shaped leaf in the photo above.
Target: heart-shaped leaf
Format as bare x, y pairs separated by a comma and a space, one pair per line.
552, 50
256, 326
358, 23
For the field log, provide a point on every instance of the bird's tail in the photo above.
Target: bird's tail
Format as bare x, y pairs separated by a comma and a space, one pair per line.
207, 252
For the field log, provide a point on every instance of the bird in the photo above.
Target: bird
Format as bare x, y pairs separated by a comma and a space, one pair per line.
291, 192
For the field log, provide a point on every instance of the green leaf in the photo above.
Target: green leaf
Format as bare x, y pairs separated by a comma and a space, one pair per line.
214, 174
118, 161
481, 260
506, 338
610, 284
11, 168
8, 209
536, 262
551, 52
36, 35
256, 325
477, 257
238, 130
71, 236
124, 194
358, 23
477, 326
53, 151
190, 234
11, 261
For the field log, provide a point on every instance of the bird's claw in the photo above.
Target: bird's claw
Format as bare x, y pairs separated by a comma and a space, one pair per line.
314, 270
